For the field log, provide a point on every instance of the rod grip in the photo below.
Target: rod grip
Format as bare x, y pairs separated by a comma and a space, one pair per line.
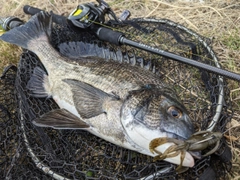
31, 10
10, 22
56, 18
109, 35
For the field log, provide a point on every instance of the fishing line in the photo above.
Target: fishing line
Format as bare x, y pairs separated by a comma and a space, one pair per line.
11, 22
34, 144
84, 16
121, 40
148, 39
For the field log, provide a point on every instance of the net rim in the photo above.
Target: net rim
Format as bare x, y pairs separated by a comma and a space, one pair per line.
219, 106
47, 170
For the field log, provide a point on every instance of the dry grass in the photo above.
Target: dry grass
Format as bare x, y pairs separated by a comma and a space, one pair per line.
218, 20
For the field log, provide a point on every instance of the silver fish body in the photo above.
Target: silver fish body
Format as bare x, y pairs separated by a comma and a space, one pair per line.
123, 104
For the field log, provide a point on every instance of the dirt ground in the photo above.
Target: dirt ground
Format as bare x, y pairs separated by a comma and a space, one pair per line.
219, 20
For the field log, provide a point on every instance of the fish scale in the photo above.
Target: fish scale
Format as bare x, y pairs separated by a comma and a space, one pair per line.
108, 76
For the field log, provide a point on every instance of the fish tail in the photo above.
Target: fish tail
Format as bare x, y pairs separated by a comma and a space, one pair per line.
37, 28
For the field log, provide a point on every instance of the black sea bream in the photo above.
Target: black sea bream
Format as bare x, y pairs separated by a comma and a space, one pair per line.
121, 103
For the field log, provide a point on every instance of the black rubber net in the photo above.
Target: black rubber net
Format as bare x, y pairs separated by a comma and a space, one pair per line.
30, 152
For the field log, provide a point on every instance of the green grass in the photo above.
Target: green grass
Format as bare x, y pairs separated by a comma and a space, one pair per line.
232, 40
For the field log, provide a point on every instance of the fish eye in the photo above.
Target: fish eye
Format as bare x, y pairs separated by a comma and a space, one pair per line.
174, 112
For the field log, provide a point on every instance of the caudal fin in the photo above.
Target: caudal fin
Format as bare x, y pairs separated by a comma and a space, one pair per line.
38, 27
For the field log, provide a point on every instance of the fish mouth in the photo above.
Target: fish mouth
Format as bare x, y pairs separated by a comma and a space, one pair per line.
181, 130
194, 154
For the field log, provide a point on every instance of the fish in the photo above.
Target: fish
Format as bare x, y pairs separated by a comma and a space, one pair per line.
124, 104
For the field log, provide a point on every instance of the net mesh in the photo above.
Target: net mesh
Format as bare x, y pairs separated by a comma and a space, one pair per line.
30, 152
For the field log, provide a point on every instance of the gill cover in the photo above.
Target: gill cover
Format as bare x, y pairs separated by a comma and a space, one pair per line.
156, 108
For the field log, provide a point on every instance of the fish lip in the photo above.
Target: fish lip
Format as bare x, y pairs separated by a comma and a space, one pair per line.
181, 129
175, 136
194, 154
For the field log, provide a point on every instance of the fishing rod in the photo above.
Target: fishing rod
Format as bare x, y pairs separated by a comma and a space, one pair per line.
92, 16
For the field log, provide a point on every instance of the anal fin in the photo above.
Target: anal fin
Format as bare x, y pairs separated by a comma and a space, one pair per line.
60, 119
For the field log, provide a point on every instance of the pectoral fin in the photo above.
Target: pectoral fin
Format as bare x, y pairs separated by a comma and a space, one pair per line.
88, 99
60, 119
